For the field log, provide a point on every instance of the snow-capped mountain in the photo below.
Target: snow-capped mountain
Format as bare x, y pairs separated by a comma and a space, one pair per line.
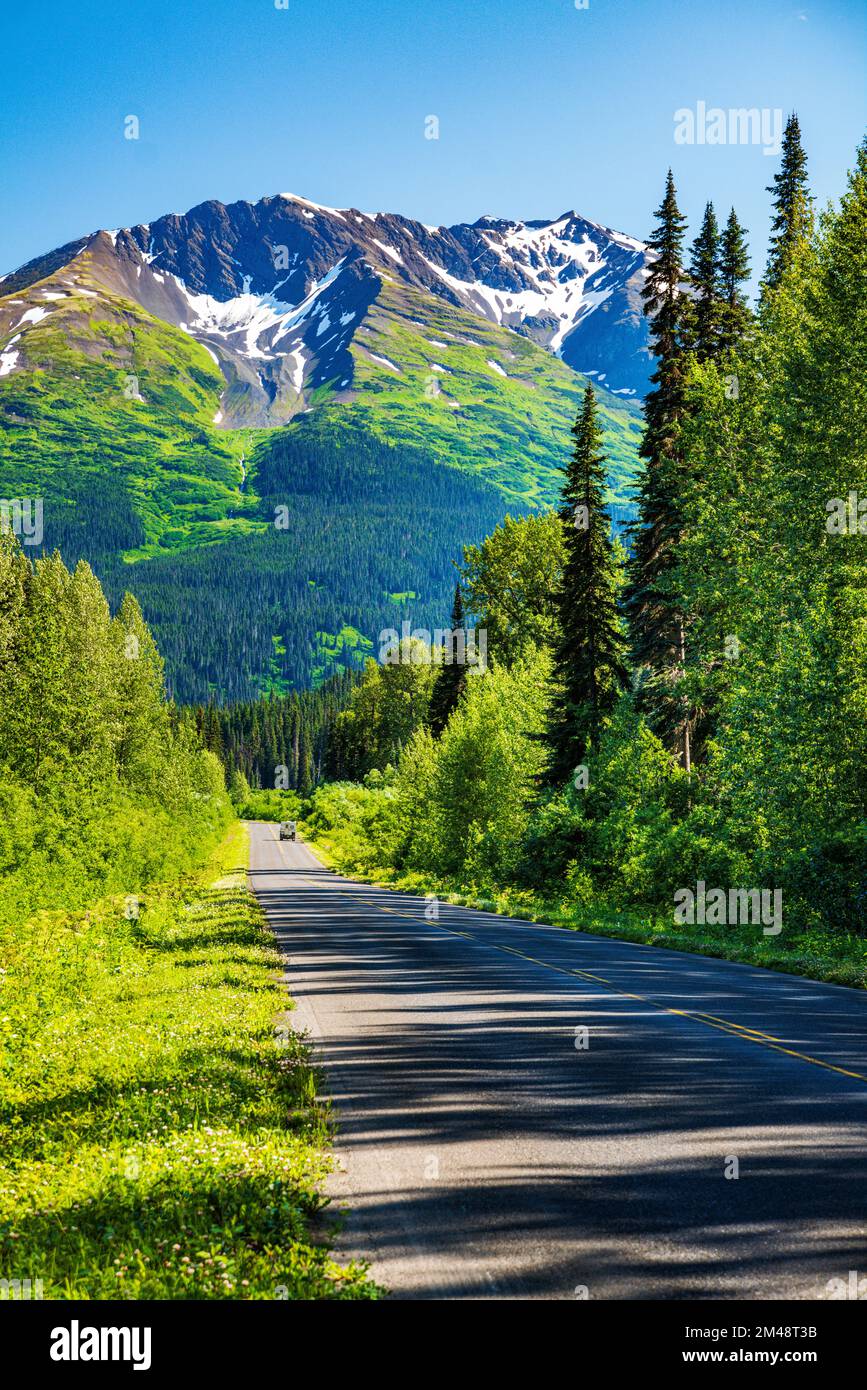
278, 290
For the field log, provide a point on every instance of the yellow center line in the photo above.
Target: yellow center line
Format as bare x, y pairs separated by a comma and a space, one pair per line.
722, 1025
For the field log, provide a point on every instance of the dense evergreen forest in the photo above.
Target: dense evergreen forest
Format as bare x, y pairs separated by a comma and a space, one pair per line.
695, 712
354, 544
284, 741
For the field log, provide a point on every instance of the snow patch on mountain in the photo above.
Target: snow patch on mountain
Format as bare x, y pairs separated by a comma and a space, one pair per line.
561, 267
248, 318
298, 358
308, 203
32, 316
389, 251
386, 362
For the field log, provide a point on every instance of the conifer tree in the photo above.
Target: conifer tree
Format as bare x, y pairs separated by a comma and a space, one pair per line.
452, 677
734, 271
14, 574
213, 738
589, 655
705, 308
656, 627
792, 219
305, 770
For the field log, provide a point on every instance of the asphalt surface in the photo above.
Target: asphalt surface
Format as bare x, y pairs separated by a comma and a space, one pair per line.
486, 1150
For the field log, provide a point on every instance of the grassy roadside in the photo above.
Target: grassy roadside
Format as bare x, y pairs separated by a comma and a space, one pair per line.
840, 960
160, 1131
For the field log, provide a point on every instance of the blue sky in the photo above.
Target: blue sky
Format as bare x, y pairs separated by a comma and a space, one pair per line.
542, 107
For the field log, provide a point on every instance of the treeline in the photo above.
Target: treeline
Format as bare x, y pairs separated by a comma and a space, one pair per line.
696, 711
103, 786
284, 742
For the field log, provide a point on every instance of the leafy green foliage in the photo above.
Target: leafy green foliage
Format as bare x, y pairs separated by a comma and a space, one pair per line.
385, 710
510, 581
109, 789
766, 447
270, 805
457, 806
160, 1139
775, 650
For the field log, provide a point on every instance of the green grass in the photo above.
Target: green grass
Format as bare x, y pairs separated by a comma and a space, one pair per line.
839, 959
161, 1132
333, 648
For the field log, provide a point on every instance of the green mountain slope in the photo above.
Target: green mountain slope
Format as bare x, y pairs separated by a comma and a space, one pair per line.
478, 395
111, 415
111, 410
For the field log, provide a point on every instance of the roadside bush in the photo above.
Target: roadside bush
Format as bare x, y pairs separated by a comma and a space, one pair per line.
832, 871
270, 805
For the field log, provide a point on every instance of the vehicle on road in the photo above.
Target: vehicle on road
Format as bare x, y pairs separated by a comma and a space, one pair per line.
287, 830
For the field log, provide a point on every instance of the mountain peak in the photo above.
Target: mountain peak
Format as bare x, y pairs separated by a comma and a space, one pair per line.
280, 290
308, 203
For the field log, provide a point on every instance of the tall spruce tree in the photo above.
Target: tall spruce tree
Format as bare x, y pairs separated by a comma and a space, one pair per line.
656, 626
705, 310
734, 271
590, 652
793, 216
452, 677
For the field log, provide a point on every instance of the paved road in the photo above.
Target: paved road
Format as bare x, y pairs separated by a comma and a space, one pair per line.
485, 1155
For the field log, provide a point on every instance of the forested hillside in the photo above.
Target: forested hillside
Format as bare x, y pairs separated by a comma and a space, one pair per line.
694, 718
350, 539
412, 440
